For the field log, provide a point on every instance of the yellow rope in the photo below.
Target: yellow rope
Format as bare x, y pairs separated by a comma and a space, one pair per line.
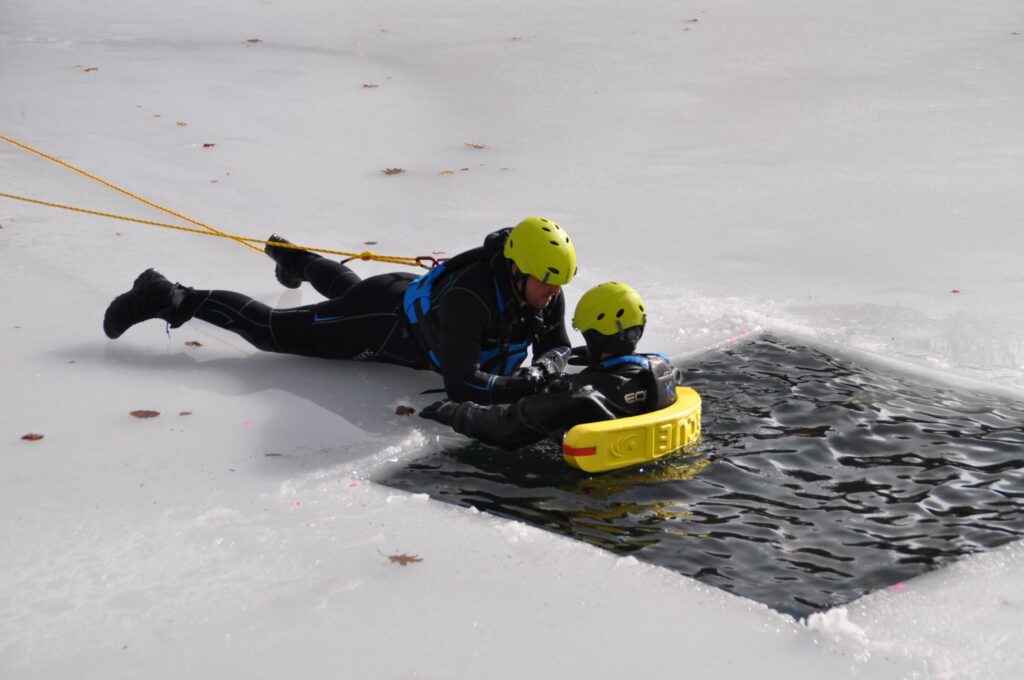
104, 182
425, 262
365, 255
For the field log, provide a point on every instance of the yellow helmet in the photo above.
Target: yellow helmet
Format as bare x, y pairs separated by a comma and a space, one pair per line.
542, 249
609, 308
611, 317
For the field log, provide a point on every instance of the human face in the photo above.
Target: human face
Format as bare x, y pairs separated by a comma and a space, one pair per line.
539, 294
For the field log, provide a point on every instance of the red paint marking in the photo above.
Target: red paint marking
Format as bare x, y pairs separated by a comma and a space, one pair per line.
570, 451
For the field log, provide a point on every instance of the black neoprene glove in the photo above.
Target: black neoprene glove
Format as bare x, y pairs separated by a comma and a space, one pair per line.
441, 411
580, 356
533, 378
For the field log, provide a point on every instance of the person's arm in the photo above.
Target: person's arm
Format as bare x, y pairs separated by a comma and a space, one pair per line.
529, 420
464, 319
555, 334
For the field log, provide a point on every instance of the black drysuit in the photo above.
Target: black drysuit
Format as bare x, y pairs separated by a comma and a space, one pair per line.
467, 326
618, 387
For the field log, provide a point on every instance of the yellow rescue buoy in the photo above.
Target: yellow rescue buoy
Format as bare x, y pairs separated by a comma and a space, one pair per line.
612, 444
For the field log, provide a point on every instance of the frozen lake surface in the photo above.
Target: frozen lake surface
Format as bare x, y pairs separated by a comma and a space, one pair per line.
844, 176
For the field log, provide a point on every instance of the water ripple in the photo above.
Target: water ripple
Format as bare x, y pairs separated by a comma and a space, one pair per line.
818, 480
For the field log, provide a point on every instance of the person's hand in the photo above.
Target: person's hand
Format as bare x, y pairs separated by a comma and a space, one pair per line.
441, 411
580, 356
533, 377
553, 362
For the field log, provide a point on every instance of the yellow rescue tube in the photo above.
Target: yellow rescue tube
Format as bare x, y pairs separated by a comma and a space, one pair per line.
613, 444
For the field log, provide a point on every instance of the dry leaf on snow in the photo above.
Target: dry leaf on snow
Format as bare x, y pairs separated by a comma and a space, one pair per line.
474, 145
404, 411
32, 437
404, 559
144, 413
393, 171
193, 343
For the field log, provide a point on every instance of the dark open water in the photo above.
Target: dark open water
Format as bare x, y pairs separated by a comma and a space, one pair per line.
818, 480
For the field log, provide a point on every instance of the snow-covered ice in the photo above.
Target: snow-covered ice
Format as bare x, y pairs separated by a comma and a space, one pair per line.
844, 173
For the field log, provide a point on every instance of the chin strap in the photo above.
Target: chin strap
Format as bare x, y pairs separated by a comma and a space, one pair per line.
518, 282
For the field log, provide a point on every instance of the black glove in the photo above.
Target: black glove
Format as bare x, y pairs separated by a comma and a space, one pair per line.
533, 377
553, 362
580, 356
442, 411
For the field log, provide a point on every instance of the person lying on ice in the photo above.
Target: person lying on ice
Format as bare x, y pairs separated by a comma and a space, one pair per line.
471, 318
616, 383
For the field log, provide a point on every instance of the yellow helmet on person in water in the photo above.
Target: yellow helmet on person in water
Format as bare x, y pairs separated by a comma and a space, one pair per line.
611, 317
609, 308
542, 249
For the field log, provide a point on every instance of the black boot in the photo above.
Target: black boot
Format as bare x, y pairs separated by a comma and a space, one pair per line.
152, 297
291, 262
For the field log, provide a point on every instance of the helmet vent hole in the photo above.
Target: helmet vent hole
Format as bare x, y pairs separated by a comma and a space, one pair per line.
621, 312
554, 243
642, 308
546, 228
600, 316
552, 270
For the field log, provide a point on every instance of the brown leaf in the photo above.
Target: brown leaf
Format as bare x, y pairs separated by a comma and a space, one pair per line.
370, 86
404, 559
404, 411
185, 413
474, 145
208, 145
193, 343
254, 40
32, 437
393, 171
91, 69
143, 413
182, 123
369, 243
955, 291
446, 173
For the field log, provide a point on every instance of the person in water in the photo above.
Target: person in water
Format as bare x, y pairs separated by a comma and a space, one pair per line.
616, 383
471, 318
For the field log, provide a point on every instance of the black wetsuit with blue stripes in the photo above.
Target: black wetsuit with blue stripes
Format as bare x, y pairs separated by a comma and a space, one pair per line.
472, 331
617, 387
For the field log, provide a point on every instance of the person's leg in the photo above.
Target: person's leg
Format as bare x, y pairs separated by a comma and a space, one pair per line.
330, 278
365, 323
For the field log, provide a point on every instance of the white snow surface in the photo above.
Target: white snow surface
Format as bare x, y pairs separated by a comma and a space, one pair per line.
845, 173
